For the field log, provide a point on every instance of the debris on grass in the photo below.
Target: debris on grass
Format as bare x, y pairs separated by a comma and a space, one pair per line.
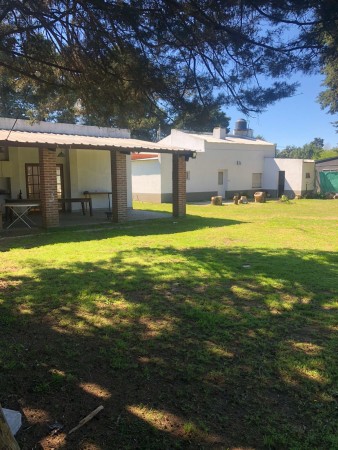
86, 419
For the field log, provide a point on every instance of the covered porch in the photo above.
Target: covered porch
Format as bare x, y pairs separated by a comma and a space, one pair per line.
48, 146
76, 219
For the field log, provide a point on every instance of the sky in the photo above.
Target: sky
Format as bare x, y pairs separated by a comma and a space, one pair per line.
296, 120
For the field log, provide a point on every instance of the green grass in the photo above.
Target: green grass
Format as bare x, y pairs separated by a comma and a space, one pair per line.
214, 331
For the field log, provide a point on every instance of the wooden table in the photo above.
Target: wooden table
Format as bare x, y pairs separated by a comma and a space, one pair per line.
82, 200
88, 195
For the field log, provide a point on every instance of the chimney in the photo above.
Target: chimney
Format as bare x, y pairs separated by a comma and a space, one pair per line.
219, 133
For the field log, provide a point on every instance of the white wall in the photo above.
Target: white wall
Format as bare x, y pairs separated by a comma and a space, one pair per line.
237, 158
129, 183
89, 170
295, 174
308, 184
166, 161
204, 169
240, 165
184, 140
146, 176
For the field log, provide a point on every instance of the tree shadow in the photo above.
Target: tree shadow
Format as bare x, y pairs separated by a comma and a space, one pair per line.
185, 349
25, 239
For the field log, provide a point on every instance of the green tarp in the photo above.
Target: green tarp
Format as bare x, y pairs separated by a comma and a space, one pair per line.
328, 182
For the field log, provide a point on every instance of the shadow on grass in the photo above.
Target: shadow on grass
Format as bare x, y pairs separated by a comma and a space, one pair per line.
186, 349
97, 232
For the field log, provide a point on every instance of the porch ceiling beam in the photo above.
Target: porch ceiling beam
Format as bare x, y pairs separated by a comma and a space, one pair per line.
188, 153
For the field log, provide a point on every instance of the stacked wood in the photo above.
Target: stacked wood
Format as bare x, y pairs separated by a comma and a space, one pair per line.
243, 199
216, 200
259, 197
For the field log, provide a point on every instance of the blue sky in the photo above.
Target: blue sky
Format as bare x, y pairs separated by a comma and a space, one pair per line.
296, 120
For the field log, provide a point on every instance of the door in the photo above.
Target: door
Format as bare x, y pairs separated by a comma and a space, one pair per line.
222, 178
33, 181
281, 183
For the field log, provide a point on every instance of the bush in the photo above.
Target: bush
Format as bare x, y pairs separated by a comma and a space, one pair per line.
284, 199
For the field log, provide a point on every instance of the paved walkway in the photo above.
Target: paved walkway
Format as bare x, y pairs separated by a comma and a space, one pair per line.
78, 219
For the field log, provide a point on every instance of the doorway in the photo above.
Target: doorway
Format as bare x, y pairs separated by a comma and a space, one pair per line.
222, 178
281, 183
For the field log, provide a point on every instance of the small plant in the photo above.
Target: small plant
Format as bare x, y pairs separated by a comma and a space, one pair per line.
190, 428
285, 199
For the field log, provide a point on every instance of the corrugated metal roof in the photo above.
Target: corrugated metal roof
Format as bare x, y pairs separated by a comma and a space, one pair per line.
54, 140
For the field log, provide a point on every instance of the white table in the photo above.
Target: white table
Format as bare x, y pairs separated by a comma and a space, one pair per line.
20, 210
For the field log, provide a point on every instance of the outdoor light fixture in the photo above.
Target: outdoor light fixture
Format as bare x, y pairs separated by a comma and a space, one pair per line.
61, 154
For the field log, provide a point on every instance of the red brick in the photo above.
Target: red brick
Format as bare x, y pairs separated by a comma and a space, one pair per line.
179, 186
48, 189
119, 186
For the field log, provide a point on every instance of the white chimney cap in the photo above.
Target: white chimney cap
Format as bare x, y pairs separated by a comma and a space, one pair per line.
219, 133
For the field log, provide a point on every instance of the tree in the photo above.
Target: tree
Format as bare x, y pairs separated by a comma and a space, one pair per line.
333, 153
312, 150
190, 115
329, 97
113, 61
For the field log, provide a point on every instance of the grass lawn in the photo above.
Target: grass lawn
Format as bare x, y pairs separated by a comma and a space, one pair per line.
214, 331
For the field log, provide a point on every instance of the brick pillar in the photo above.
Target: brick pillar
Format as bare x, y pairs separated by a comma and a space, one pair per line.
119, 186
179, 186
48, 192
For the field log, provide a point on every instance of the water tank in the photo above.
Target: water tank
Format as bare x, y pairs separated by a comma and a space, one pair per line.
241, 129
240, 125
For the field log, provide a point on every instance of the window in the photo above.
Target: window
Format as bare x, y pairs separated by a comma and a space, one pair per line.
220, 178
307, 175
187, 175
256, 180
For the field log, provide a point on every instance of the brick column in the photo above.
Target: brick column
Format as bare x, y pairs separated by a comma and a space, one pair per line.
179, 186
48, 191
119, 186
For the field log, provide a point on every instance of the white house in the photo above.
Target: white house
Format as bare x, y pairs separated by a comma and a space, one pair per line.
225, 164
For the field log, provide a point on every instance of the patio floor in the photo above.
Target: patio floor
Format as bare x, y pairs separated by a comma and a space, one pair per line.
69, 219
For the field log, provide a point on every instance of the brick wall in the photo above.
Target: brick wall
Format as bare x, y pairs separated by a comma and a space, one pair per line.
119, 186
179, 186
48, 191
